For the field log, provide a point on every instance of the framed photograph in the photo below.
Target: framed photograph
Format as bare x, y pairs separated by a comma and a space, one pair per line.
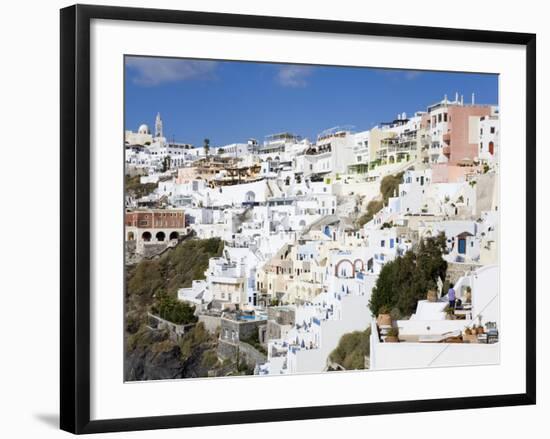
274, 218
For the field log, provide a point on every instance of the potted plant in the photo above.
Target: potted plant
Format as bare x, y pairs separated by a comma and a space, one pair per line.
469, 335
392, 336
384, 317
432, 296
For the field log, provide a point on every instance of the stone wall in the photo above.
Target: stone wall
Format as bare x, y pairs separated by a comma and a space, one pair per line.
456, 270
239, 329
273, 330
228, 349
211, 323
283, 316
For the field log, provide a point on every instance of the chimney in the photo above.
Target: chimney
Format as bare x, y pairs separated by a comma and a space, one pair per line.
473, 98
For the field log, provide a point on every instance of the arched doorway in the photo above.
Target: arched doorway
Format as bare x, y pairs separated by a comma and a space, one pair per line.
174, 235
344, 269
160, 236
492, 148
146, 236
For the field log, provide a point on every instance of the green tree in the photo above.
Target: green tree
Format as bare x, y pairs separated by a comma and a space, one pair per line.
406, 280
206, 145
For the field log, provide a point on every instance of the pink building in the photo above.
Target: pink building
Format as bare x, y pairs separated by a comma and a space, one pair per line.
462, 139
453, 129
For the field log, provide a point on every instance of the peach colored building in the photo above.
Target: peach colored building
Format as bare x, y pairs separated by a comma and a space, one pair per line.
446, 173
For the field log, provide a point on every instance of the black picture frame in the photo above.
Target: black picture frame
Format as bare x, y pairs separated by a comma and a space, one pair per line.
75, 217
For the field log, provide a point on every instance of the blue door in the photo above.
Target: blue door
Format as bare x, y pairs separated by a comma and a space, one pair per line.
462, 246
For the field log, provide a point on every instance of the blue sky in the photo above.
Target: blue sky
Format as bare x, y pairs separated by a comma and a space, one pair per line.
228, 101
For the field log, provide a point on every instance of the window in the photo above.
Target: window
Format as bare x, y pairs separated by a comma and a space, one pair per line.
492, 130
445, 117
439, 117
382, 243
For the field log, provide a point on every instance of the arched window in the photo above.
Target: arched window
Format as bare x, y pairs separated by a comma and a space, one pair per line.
146, 236
250, 197
160, 236
131, 236
174, 235
492, 148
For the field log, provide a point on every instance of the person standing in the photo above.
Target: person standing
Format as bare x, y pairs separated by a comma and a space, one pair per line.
452, 296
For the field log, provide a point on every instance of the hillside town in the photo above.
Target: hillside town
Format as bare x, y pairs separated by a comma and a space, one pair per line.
388, 235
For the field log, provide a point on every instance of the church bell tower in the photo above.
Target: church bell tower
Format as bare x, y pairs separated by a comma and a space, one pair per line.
158, 126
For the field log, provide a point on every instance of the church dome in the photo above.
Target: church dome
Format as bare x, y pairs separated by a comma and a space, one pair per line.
143, 129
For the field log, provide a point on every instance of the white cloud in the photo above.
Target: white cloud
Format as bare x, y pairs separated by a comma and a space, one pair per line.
400, 75
412, 74
293, 76
154, 71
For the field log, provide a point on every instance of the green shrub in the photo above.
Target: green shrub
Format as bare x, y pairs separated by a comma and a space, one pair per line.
373, 208
170, 308
352, 350
134, 187
389, 184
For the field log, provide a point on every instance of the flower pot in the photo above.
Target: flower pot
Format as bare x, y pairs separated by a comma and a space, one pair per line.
383, 320
469, 338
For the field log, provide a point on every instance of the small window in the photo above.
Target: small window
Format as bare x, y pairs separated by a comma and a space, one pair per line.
492, 130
